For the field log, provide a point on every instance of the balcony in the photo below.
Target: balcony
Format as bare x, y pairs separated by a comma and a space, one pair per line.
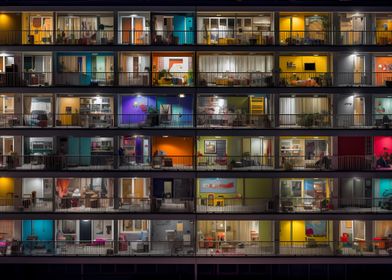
305, 79
215, 162
167, 162
156, 120
235, 205
301, 38
86, 79
26, 79
235, 79
84, 37
172, 79
134, 79
235, 37
234, 121
26, 204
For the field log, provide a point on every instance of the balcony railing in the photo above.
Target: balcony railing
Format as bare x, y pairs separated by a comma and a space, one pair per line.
156, 120
183, 204
133, 79
202, 162
26, 204
305, 37
172, 37
88, 203
26, 79
235, 37
234, 120
235, 205
205, 79
204, 37
87, 79
203, 248
235, 79
172, 79
305, 79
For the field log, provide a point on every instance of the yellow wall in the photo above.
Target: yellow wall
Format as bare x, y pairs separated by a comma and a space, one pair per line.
254, 187
233, 145
10, 22
6, 186
298, 231
37, 35
297, 21
64, 102
320, 61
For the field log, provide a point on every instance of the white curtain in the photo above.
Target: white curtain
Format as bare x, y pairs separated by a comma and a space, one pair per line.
303, 105
235, 63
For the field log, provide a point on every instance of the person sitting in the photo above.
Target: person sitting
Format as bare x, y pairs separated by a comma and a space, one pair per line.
323, 162
383, 161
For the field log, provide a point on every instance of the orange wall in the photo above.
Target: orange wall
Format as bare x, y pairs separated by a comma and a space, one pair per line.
175, 146
382, 60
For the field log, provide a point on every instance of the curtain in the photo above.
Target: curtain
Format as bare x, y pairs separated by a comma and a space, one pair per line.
27, 104
303, 105
62, 187
235, 63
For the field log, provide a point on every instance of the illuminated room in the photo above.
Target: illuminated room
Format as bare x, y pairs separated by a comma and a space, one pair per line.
305, 111
305, 70
352, 28
135, 194
235, 238
84, 111
232, 152
37, 194
172, 69
383, 70
134, 69
305, 152
382, 237
306, 237
134, 28
351, 110
234, 110
305, 194
383, 29
38, 28
355, 195
235, 28
10, 67
84, 237
382, 194
157, 152
235, 69
39, 231
10, 235
352, 237
239, 195
87, 152
37, 110
304, 28
382, 149
173, 195
10, 23
163, 110
85, 28
134, 237
10, 151
354, 69
172, 28
84, 194
85, 69
37, 69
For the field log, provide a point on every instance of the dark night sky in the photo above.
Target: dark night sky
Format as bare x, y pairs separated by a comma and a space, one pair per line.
192, 2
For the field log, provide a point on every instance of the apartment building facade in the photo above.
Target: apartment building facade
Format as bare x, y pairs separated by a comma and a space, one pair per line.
196, 134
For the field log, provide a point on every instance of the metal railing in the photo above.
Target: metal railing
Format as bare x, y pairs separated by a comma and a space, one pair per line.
26, 203
235, 79
85, 79
26, 79
109, 161
234, 205
234, 120
235, 37
206, 247
84, 203
133, 79
172, 37
151, 120
176, 79
175, 204
305, 79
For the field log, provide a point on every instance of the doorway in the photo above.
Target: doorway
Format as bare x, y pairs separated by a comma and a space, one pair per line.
359, 111
359, 69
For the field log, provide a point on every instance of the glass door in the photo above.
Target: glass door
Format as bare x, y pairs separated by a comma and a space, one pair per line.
359, 111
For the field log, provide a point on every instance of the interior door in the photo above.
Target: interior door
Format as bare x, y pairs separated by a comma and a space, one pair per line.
126, 26
168, 189
85, 231
359, 69
359, 193
138, 187
8, 145
359, 111
138, 23
358, 24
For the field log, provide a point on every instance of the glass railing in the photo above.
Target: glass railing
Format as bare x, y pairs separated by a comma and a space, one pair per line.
203, 248
235, 79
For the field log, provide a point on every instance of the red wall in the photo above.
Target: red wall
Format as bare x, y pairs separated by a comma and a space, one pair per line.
381, 142
348, 146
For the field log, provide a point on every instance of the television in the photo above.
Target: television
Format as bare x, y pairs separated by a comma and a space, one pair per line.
310, 67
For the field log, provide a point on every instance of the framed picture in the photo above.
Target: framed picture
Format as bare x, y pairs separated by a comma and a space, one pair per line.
210, 147
127, 225
316, 228
296, 188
